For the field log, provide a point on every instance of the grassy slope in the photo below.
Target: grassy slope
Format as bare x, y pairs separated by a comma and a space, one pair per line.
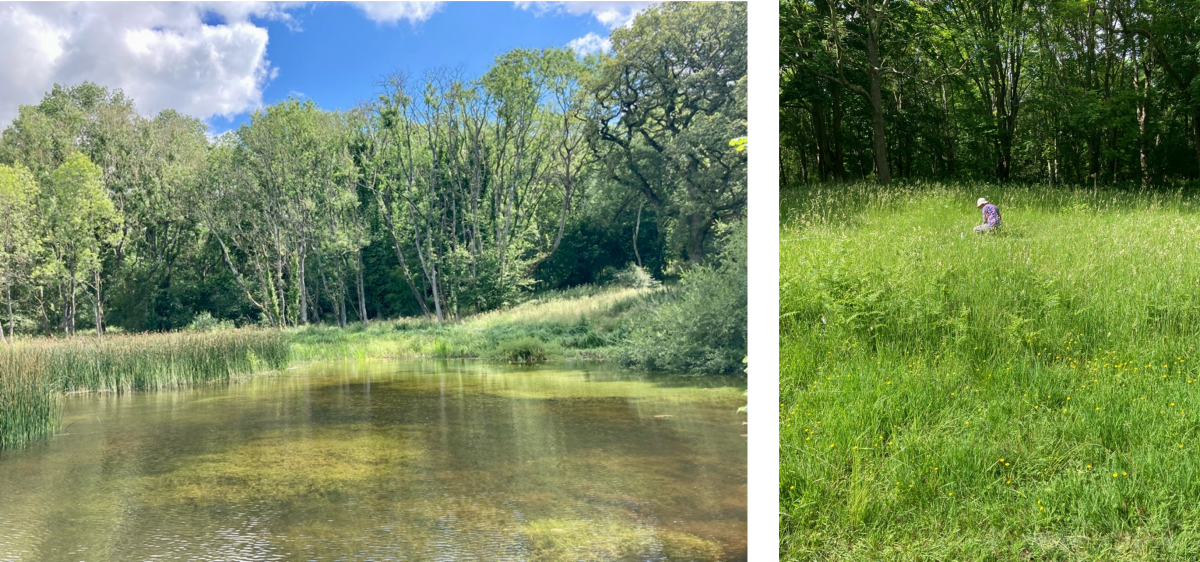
1027, 395
582, 322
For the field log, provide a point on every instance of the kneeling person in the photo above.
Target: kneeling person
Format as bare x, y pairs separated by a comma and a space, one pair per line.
991, 216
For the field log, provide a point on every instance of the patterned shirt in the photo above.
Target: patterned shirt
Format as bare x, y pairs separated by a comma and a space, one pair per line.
991, 215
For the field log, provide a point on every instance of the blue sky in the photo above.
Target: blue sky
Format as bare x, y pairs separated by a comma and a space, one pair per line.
220, 61
338, 54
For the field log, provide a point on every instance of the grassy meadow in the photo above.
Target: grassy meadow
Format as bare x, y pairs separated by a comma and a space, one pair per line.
1027, 395
582, 323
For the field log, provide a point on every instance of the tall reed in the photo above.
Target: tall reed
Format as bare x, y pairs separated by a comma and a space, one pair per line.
155, 361
29, 408
33, 373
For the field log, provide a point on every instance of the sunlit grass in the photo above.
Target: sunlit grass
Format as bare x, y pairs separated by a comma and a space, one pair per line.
582, 322
1031, 394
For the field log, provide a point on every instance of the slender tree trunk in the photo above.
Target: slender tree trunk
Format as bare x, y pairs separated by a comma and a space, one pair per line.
431, 267
8, 289
636, 226
304, 288
12, 325
1142, 108
342, 299
325, 286
838, 159
66, 307
386, 211
362, 299
823, 149
99, 305
71, 317
42, 306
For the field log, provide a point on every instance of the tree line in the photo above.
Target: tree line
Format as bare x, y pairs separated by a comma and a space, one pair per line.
1049, 91
443, 195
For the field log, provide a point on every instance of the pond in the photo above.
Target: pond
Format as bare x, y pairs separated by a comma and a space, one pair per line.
389, 460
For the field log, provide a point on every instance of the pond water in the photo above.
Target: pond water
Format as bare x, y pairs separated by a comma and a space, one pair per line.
389, 460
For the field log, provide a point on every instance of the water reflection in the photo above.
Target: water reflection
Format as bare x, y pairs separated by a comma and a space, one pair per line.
389, 461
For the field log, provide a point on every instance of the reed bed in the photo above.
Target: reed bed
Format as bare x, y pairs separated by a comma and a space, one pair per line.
29, 408
155, 361
1028, 395
33, 373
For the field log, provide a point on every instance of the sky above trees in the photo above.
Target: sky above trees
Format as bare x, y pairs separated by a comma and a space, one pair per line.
221, 61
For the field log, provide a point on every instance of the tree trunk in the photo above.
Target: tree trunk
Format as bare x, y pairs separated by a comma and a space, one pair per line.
336, 305
698, 228
823, 149
874, 73
838, 160
71, 316
1142, 108
386, 211
11, 323
99, 305
362, 299
42, 306
636, 226
1196, 133
342, 299
66, 307
303, 287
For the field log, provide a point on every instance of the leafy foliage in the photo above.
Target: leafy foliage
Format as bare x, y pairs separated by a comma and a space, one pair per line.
701, 324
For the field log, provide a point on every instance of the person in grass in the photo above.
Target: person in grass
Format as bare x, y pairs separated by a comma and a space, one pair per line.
991, 216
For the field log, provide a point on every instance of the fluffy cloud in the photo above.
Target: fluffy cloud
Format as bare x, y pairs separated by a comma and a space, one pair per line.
611, 14
590, 43
203, 59
392, 12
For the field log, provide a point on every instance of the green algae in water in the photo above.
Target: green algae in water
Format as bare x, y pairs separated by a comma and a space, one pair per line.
390, 461
554, 540
282, 467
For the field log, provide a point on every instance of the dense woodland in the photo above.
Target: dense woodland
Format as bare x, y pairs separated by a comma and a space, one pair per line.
440, 195
1053, 92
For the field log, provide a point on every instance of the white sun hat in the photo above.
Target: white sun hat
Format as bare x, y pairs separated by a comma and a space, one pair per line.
980, 202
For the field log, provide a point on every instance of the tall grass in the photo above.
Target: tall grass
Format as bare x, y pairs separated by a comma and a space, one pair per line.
1029, 394
33, 373
29, 408
581, 322
155, 361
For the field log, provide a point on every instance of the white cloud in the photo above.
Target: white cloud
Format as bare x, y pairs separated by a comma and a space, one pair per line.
590, 43
205, 59
163, 55
611, 14
392, 12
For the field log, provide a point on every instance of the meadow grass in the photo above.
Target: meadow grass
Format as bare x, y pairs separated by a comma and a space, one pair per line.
585, 322
1031, 394
34, 372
